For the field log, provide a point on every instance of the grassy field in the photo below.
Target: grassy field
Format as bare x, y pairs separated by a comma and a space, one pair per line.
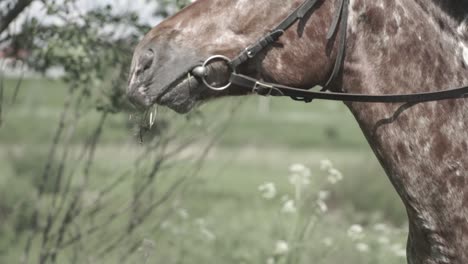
220, 215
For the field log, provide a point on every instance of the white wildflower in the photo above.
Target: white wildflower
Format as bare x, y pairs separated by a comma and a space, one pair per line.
270, 261
148, 243
299, 180
281, 248
334, 176
322, 206
336, 173
400, 253
398, 250
326, 165
298, 168
332, 180
383, 240
165, 225
268, 190
183, 213
284, 198
328, 242
381, 228
362, 247
323, 195
289, 207
299, 175
207, 234
356, 232
147, 247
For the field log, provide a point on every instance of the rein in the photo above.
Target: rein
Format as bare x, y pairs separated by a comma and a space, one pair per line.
338, 28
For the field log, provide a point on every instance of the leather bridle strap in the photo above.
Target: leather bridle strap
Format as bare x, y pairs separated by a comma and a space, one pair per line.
339, 24
342, 16
267, 89
338, 28
274, 34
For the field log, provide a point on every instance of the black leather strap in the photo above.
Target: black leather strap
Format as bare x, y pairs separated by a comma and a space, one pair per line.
269, 89
338, 26
274, 34
342, 16
254, 49
297, 14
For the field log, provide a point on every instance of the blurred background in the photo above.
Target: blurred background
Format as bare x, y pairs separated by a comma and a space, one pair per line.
84, 179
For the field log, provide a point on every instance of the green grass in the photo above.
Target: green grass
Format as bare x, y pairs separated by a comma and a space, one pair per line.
294, 125
287, 124
256, 148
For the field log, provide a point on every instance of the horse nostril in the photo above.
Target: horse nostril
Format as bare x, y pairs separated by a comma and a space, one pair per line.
146, 61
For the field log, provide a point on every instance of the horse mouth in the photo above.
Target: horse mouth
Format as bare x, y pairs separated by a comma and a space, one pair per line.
181, 95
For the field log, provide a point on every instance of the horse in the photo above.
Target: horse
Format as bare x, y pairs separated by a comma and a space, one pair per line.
389, 47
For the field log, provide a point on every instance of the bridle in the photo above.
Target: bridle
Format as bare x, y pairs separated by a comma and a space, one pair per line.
338, 28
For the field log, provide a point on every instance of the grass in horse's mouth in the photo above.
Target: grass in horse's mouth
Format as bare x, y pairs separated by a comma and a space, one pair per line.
145, 120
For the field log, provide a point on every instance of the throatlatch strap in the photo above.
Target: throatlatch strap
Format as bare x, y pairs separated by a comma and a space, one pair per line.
342, 16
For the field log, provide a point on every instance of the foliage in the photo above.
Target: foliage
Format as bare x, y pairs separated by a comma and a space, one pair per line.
76, 188
169, 6
62, 211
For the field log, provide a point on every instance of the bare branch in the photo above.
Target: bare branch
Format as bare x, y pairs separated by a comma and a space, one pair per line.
1, 95
13, 14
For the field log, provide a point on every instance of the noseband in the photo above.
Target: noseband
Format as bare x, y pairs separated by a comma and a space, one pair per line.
338, 26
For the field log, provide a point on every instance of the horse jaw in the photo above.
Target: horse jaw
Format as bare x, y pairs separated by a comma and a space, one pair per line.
169, 80
163, 77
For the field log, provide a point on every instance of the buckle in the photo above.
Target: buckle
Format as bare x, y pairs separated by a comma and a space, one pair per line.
250, 54
259, 86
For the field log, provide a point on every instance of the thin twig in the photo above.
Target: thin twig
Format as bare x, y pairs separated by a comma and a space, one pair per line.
13, 14
18, 84
74, 208
150, 209
66, 149
46, 173
2, 79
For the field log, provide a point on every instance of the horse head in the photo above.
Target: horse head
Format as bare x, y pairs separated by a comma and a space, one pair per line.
162, 70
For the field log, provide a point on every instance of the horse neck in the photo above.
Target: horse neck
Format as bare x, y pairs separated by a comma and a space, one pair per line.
404, 47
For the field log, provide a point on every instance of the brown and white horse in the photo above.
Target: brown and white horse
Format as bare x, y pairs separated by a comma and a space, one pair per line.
393, 46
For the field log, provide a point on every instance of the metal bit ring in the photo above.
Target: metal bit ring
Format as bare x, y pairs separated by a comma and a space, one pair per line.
215, 58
